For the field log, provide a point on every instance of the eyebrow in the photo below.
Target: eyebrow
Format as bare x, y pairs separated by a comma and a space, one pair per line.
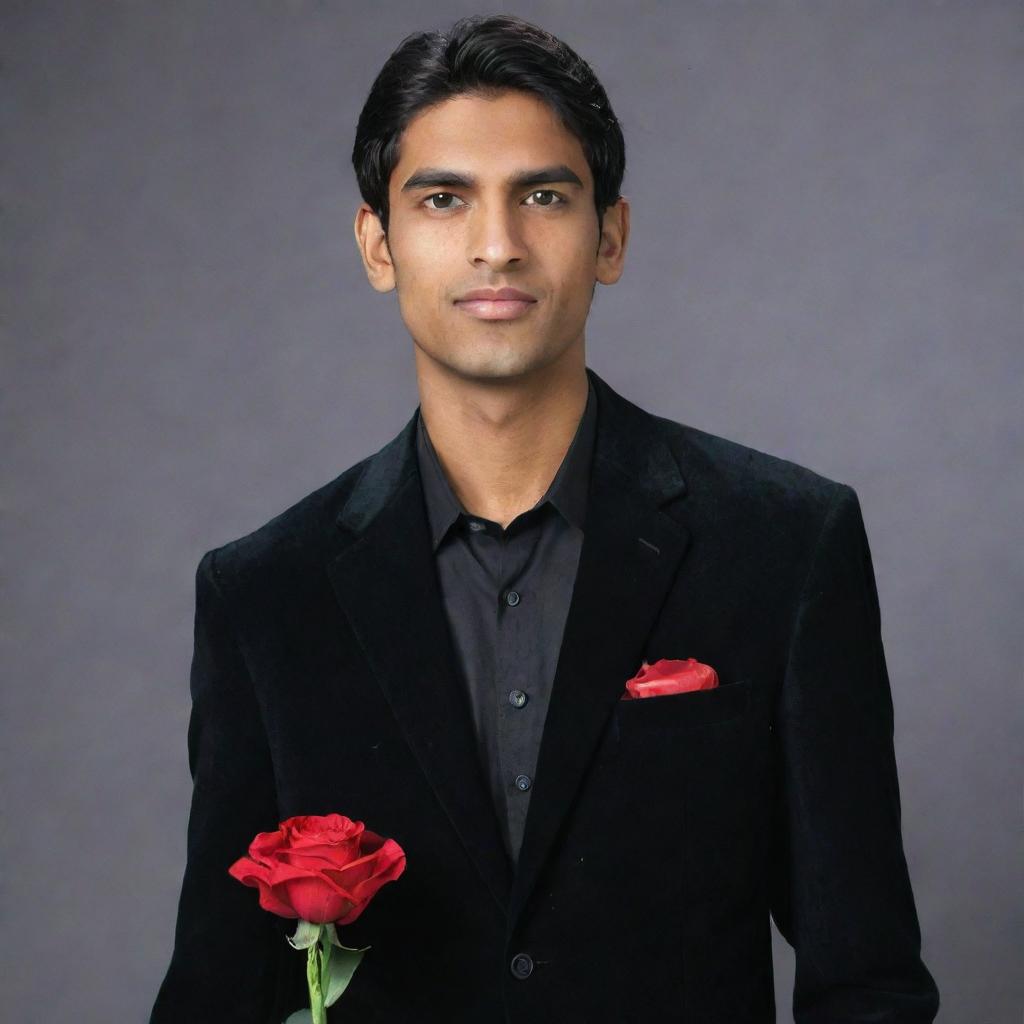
431, 177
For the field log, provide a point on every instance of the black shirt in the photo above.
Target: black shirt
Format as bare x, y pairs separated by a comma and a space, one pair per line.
506, 594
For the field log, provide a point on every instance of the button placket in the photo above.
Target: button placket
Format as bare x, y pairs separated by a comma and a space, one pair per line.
514, 624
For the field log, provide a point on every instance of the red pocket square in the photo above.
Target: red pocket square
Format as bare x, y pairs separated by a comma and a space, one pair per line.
670, 675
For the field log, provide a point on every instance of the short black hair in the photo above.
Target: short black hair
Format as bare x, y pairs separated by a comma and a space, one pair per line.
485, 55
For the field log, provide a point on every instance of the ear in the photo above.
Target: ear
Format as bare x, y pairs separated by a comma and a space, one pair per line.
373, 248
611, 250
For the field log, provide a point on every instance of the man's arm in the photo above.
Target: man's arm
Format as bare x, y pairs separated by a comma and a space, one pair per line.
227, 949
841, 891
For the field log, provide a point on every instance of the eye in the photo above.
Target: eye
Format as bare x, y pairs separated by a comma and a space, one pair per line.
447, 195
556, 199
549, 192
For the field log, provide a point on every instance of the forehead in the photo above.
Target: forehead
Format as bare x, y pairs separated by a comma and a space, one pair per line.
488, 136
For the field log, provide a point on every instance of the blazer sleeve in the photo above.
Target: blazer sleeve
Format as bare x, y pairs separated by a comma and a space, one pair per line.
841, 893
228, 951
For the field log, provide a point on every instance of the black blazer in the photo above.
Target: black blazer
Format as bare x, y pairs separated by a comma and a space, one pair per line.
661, 832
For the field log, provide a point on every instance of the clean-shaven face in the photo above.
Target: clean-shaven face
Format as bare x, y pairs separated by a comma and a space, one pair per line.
493, 194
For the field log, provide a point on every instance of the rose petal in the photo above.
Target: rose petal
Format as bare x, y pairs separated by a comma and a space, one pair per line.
249, 873
315, 900
318, 828
263, 847
316, 857
387, 865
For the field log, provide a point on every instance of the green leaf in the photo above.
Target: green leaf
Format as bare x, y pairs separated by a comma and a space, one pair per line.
331, 933
300, 1017
305, 935
340, 968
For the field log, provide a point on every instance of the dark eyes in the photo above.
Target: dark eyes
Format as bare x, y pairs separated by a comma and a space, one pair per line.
561, 200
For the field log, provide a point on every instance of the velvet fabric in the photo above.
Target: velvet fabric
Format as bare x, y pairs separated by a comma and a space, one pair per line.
661, 833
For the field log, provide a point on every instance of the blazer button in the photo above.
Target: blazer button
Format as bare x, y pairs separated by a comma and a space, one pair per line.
523, 783
522, 965
516, 698
512, 597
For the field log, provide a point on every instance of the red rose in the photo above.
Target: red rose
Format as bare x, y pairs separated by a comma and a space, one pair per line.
669, 675
320, 868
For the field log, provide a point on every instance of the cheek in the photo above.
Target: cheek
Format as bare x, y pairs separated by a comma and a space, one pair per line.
572, 287
422, 284
574, 266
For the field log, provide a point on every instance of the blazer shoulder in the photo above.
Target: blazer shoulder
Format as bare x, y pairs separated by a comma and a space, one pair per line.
290, 541
742, 474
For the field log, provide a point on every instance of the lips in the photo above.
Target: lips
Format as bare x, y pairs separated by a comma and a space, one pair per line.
496, 303
496, 295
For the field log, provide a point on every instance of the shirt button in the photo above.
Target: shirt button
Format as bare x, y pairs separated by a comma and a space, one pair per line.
512, 598
516, 698
523, 782
475, 526
522, 965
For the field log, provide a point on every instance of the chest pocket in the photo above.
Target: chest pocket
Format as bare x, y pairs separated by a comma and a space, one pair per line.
679, 770
645, 726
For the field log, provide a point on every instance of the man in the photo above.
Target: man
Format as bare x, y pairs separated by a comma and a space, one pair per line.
437, 641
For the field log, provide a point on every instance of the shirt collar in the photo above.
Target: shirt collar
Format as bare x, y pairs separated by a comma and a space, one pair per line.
567, 491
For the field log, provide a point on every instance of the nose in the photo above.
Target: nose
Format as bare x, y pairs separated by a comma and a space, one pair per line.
495, 238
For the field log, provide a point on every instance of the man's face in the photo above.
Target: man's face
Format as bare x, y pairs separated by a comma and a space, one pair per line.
448, 237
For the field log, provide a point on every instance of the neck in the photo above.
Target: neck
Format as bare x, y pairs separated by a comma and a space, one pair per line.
500, 443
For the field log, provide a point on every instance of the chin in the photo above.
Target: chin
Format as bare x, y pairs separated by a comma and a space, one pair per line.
494, 365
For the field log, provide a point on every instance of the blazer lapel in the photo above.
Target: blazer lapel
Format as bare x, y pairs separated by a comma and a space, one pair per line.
633, 543
385, 581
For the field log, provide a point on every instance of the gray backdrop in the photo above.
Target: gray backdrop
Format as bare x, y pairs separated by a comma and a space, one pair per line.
825, 264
